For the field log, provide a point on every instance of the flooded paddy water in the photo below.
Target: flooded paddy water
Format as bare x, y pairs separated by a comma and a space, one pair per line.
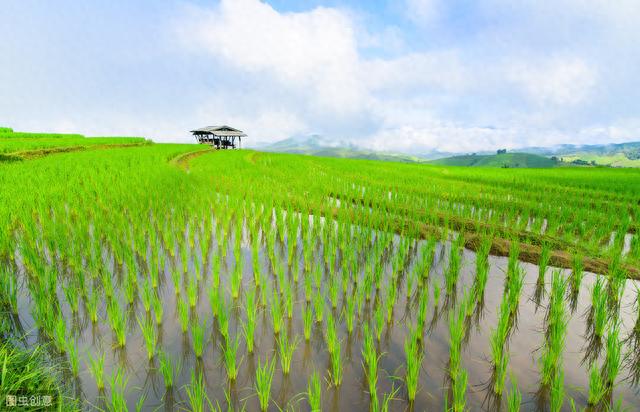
288, 391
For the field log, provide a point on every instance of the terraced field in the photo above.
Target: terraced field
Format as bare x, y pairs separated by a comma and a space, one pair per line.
170, 276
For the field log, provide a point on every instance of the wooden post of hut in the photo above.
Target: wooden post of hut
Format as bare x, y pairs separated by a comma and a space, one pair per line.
220, 137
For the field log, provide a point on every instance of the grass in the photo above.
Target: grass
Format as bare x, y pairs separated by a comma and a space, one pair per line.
264, 378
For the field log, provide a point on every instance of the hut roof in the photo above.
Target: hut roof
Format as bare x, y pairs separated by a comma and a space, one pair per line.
219, 131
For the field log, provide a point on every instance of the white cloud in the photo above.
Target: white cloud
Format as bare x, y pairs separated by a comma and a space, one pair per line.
557, 81
422, 12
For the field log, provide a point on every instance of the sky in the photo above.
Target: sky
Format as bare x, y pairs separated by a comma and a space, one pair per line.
401, 75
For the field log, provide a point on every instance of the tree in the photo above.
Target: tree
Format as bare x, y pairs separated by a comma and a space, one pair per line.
502, 151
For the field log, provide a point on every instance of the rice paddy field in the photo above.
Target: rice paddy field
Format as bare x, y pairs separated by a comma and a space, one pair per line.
172, 277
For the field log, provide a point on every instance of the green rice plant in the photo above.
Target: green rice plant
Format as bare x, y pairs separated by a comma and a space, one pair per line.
146, 295
150, 336
501, 365
514, 398
197, 338
264, 378
459, 389
318, 306
553, 348
308, 288
378, 318
197, 394
92, 306
74, 362
333, 292
192, 292
513, 265
455, 261
413, 358
288, 299
482, 268
130, 288
370, 363
335, 375
285, 350
422, 312
277, 316
613, 359
331, 333
350, 313
158, 309
314, 393
223, 316
117, 400
556, 396
599, 307
168, 369
183, 315
235, 280
597, 386
230, 353
60, 334
176, 279
8, 289
248, 330
118, 322
543, 263
307, 317
577, 273
96, 367
71, 294
515, 284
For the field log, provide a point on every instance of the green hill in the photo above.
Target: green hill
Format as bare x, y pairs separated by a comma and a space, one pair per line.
512, 160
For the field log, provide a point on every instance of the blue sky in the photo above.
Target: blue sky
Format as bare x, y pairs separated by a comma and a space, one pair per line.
408, 75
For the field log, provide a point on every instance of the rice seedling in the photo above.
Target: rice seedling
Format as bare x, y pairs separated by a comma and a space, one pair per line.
277, 317
459, 389
413, 360
183, 315
92, 306
118, 383
285, 350
248, 330
307, 317
146, 295
577, 273
74, 362
158, 309
192, 292
118, 323
318, 306
514, 398
556, 398
235, 280
350, 314
597, 386
613, 358
197, 338
168, 369
370, 363
230, 353
335, 375
8, 289
60, 334
176, 279
331, 333
599, 307
314, 393
223, 316
288, 299
197, 394
150, 336
264, 378
378, 318
96, 367
556, 330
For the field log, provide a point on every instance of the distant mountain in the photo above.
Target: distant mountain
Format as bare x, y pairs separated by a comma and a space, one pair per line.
320, 146
615, 154
511, 160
